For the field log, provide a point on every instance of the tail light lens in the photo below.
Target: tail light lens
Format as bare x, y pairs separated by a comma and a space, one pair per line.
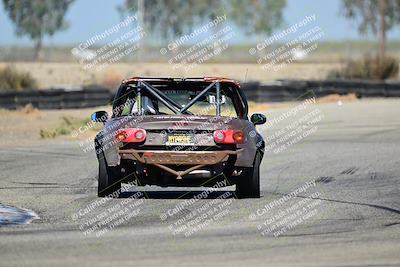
229, 137
121, 136
131, 135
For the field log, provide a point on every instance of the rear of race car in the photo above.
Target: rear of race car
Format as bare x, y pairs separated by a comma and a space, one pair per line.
183, 151
178, 149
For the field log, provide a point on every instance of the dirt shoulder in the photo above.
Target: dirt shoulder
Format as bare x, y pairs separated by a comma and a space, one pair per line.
32, 127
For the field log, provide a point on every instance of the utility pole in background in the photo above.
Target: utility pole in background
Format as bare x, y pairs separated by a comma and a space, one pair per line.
382, 30
140, 18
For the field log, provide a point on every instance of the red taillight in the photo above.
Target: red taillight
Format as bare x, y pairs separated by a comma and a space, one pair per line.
140, 135
219, 136
239, 137
120, 136
131, 135
229, 137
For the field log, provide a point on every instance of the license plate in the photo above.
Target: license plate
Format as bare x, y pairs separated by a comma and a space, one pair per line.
179, 139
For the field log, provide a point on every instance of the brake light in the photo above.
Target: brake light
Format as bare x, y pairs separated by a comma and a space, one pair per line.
120, 136
229, 137
131, 135
239, 137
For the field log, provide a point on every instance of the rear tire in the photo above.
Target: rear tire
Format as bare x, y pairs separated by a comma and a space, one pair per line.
248, 184
109, 182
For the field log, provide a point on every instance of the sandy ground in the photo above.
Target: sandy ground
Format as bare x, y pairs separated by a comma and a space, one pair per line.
23, 128
70, 74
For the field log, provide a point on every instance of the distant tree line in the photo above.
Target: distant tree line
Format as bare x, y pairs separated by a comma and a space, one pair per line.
168, 19
374, 16
171, 18
37, 18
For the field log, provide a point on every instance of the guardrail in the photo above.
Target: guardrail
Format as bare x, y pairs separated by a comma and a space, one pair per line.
283, 90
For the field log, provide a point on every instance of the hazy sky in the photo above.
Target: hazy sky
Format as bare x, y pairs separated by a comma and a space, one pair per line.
88, 17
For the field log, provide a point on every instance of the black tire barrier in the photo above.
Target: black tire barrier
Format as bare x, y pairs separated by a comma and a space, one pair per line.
290, 90
281, 90
56, 98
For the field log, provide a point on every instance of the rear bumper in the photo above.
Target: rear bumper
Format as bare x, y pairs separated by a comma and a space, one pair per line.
161, 158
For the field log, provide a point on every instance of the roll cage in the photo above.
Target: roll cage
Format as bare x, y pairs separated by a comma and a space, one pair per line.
149, 86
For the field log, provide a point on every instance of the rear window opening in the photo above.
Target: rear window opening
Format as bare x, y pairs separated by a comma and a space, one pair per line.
179, 99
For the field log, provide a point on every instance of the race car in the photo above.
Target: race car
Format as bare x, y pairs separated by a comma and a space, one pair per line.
187, 132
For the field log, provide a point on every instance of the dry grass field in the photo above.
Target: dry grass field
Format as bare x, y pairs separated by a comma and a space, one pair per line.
72, 74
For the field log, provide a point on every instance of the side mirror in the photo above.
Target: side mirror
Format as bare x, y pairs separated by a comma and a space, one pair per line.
258, 119
99, 116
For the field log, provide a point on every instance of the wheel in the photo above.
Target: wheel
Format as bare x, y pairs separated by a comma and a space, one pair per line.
248, 184
109, 182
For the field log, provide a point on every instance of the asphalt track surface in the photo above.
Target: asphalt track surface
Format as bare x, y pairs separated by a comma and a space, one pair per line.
351, 217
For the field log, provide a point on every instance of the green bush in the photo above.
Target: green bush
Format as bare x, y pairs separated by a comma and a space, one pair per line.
368, 68
13, 80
